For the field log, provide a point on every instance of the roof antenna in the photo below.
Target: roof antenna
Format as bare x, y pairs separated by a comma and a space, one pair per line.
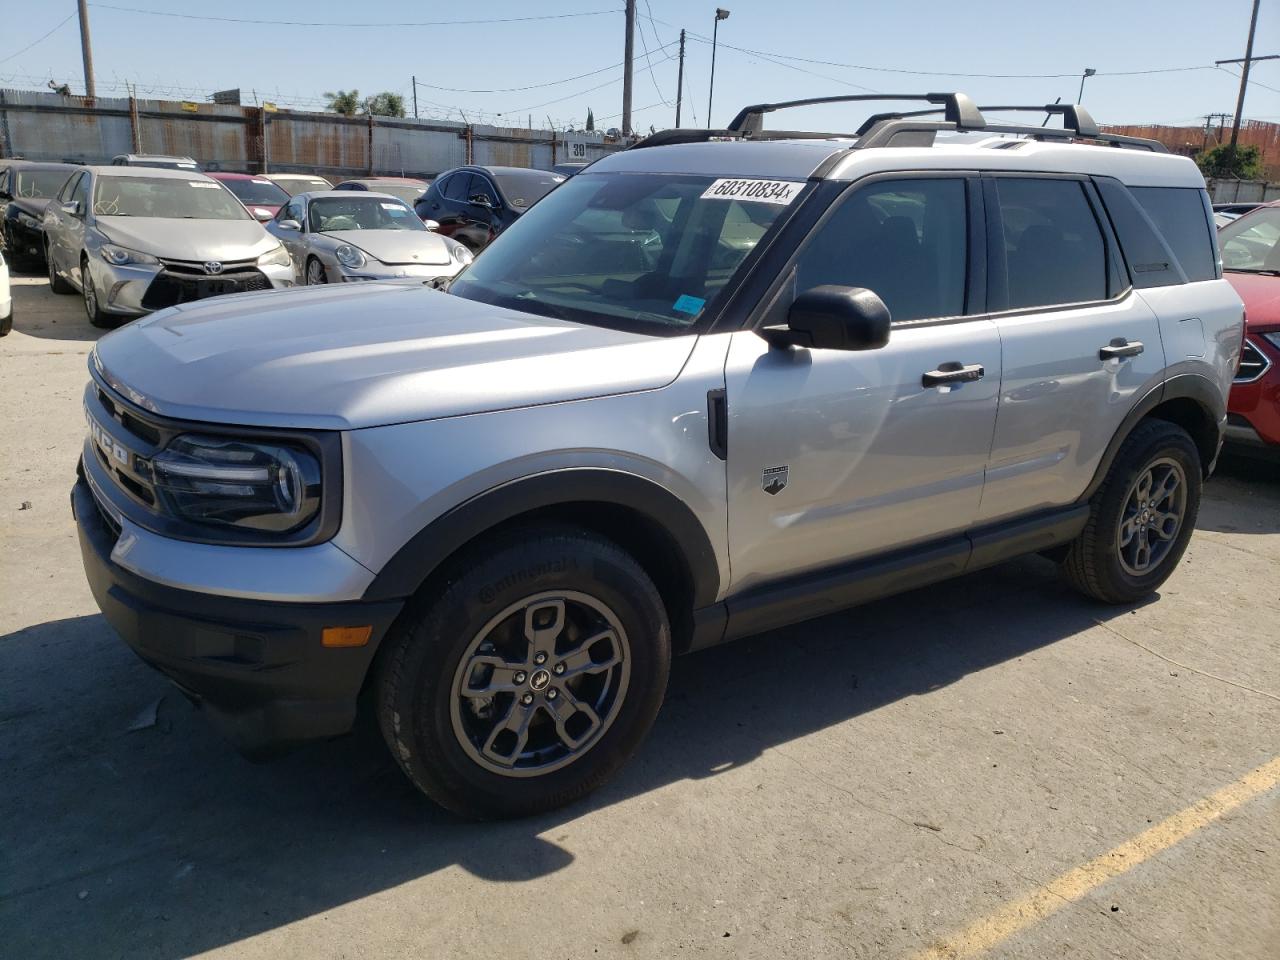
1048, 115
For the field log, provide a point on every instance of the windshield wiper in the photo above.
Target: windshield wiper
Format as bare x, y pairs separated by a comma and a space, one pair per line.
1265, 271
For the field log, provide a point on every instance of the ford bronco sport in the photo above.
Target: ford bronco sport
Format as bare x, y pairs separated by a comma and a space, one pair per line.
716, 383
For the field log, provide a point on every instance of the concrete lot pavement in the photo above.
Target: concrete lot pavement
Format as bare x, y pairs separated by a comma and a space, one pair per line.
960, 771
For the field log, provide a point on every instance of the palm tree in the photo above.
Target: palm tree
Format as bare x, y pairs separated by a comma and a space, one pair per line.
345, 102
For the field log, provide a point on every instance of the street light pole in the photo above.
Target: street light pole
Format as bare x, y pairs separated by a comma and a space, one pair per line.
721, 14
1088, 72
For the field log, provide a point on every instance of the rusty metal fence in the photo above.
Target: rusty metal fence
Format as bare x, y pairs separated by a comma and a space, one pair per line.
46, 126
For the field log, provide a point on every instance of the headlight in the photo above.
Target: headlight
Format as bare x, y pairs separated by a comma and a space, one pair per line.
462, 254
279, 257
350, 256
27, 219
254, 486
120, 256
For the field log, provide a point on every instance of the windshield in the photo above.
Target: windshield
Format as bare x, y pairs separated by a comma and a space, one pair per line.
39, 184
257, 191
294, 186
636, 251
409, 192
165, 198
524, 188
329, 214
1252, 243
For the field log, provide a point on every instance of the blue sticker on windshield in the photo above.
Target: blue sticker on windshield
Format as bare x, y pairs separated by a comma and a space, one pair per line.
688, 304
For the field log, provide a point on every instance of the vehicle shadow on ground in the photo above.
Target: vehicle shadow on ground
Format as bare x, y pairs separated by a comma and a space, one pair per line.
1251, 482
37, 312
161, 842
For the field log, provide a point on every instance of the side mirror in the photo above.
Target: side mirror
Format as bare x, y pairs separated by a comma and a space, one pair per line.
482, 200
431, 225
289, 225
262, 216
72, 207
833, 318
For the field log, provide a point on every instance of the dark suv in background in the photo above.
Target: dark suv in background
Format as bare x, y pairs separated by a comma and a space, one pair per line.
26, 188
475, 204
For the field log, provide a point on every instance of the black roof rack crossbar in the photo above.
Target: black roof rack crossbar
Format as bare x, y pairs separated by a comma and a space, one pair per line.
957, 109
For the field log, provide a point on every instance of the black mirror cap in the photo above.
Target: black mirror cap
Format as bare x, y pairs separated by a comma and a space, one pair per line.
832, 317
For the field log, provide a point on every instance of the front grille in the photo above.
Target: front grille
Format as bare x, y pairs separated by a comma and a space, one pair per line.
1253, 363
171, 286
127, 419
192, 268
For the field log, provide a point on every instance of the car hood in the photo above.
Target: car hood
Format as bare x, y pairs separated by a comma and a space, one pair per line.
195, 240
396, 246
1261, 296
350, 356
32, 205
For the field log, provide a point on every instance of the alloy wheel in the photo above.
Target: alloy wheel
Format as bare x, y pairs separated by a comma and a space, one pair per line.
315, 272
1152, 516
90, 292
540, 684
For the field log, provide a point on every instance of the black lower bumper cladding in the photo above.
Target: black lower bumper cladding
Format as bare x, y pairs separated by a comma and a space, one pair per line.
258, 667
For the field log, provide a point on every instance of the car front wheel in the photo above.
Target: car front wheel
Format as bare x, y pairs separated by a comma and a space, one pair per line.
529, 680
90, 292
1141, 517
315, 272
56, 283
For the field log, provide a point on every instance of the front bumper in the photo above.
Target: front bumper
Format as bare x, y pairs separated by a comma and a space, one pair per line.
135, 289
374, 270
23, 241
257, 666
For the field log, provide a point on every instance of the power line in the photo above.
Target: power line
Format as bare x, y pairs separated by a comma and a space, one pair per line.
353, 24
653, 77
536, 86
570, 96
45, 37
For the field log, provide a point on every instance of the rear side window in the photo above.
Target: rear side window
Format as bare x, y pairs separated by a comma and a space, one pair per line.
904, 239
457, 186
1054, 250
1151, 261
1179, 213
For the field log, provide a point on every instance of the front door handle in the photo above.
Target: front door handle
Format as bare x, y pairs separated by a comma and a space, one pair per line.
1119, 348
953, 372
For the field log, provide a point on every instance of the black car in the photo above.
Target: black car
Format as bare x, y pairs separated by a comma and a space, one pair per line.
475, 204
26, 188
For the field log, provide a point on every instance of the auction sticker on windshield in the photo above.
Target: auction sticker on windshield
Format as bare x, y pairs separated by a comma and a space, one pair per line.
757, 191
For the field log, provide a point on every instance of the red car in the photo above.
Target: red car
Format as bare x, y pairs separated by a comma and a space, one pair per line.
260, 195
1251, 261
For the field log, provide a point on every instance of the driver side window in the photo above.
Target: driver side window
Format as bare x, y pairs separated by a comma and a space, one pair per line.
81, 193
906, 240
68, 188
293, 210
481, 186
458, 187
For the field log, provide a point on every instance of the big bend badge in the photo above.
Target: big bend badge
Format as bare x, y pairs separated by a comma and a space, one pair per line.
774, 480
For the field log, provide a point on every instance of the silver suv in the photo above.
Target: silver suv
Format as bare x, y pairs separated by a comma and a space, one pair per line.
724, 381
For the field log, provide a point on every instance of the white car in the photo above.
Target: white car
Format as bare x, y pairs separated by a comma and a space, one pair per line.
6, 300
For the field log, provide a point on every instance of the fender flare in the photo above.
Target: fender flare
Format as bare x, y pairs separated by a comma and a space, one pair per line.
426, 550
1192, 386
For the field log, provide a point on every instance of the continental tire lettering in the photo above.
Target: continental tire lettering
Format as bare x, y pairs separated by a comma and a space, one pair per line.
490, 591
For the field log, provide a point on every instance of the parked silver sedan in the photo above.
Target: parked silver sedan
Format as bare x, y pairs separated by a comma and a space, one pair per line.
136, 239
335, 236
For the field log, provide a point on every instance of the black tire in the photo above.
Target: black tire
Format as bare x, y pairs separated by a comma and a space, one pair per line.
89, 294
56, 283
6, 324
1096, 563
421, 666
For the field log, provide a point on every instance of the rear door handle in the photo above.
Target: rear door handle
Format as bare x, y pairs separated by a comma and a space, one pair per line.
953, 372
1119, 348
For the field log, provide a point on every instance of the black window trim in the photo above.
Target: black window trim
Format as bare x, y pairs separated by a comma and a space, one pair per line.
997, 266
828, 200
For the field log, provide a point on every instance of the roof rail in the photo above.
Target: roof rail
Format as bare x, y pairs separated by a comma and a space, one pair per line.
957, 108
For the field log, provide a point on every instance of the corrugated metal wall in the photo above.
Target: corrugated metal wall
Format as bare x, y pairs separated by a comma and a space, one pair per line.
45, 126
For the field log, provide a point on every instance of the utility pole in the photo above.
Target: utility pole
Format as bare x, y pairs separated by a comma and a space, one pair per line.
415, 98
86, 48
680, 79
1244, 77
628, 54
1222, 118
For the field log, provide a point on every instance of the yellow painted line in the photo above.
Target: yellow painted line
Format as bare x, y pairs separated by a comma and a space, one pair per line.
1071, 886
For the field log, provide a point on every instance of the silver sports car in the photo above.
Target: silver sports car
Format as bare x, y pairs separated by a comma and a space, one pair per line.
343, 235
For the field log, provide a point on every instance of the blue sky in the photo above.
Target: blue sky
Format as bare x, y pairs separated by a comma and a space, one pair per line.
294, 65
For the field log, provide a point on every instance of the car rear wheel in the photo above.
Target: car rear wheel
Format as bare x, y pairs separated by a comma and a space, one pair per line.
56, 283
530, 679
315, 272
1141, 518
90, 292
